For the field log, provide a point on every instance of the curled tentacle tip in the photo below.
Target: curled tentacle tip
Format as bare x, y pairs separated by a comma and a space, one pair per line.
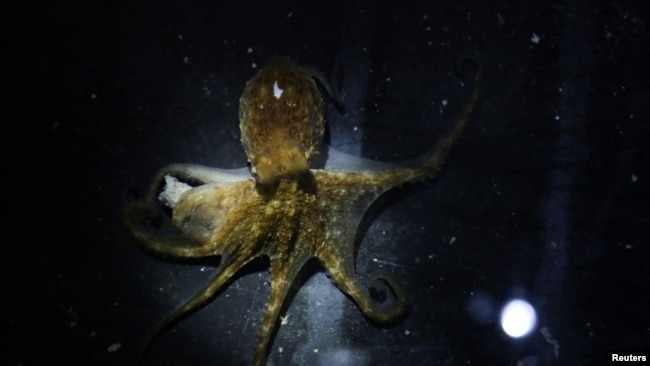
462, 63
400, 306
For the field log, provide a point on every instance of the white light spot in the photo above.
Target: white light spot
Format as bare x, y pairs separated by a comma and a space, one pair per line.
280, 349
535, 38
452, 240
249, 50
518, 318
277, 92
254, 65
315, 350
114, 347
407, 332
93, 96
444, 102
634, 178
284, 320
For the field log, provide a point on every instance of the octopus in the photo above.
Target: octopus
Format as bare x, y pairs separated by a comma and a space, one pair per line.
280, 207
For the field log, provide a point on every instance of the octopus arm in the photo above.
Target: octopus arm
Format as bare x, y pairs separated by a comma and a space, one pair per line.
198, 214
196, 174
136, 217
283, 273
344, 197
228, 267
225, 220
340, 161
393, 174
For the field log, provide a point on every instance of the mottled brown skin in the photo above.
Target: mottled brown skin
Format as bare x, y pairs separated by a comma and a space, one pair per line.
290, 215
281, 121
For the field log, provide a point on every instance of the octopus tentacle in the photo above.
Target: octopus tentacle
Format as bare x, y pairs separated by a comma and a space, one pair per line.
431, 161
391, 175
343, 274
226, 272
180, 246
368, 307
197, 173
401, 302
282, 276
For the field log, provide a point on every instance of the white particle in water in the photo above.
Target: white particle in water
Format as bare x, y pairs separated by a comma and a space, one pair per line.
535, 38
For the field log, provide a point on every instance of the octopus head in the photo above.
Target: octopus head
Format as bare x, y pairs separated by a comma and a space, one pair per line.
288, 160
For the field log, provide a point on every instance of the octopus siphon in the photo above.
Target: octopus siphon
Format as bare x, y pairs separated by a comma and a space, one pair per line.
280, 207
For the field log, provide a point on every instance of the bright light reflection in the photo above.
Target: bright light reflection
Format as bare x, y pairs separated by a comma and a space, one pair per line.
518, 318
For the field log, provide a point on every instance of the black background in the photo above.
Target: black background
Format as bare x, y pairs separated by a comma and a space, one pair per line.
546, 196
